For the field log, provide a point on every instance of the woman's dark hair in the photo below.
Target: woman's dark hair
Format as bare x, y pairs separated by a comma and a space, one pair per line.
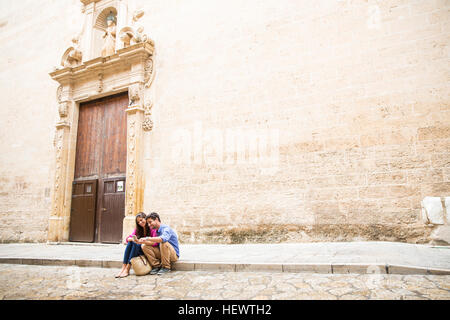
154, 216
141, 232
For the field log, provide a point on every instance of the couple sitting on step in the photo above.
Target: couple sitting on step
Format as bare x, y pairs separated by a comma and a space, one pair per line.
158, 242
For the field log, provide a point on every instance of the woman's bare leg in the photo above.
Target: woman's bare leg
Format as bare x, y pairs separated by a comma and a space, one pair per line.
121, 271
126, 271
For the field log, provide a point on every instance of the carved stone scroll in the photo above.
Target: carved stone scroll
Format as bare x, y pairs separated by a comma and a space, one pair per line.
135, 94
134, 34
73, 56
149, 73
147, 124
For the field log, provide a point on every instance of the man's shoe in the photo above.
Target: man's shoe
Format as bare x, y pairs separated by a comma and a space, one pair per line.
155, 271
163, 271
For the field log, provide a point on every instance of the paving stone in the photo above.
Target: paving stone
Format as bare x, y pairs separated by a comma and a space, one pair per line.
352, 297
259, 280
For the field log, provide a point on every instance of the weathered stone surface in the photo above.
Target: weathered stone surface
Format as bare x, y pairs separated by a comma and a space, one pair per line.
307, 268
380, 132
432, 210
276, 267
406, 270
359, 268
447, 208
441, 235
184, 266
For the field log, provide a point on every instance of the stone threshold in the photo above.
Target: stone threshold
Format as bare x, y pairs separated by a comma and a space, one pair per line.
350, 268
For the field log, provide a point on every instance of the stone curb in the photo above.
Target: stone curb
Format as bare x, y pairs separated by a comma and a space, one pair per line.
341, 268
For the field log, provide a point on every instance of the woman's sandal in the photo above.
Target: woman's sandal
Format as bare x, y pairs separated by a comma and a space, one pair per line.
119, 274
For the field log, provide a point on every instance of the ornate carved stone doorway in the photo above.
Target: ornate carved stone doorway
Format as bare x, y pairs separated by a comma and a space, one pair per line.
130, 69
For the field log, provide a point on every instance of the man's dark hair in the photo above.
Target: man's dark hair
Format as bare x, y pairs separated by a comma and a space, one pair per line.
154, 216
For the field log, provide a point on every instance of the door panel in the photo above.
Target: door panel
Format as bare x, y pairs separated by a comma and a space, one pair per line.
82, 217
89, 140
115, 142
112, 210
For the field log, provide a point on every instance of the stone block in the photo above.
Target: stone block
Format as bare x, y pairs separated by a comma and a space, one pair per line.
387, 178
397, 269
259, 267
307, 268
89, 263
58, 262
183, 266
441, 235
432, 210
433, 132
439, 272
32, 261
111, 264
359, 268
215, 266
11, 260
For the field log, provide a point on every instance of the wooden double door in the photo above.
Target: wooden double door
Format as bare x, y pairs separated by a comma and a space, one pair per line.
98, 196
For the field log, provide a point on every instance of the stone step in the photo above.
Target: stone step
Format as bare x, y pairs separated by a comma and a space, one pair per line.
350, 268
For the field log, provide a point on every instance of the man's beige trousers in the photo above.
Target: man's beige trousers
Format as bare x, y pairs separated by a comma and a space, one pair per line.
161, 256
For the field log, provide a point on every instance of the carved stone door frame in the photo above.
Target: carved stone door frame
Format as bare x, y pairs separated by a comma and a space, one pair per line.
130, 69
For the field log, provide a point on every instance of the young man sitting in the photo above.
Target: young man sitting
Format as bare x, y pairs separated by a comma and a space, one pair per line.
160, 257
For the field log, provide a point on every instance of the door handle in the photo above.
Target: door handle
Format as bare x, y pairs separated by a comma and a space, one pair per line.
103, 209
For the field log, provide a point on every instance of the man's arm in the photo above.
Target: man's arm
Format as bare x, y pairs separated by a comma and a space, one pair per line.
164, 237
150, 240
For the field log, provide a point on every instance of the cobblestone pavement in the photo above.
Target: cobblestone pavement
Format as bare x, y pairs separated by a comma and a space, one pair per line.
56, 282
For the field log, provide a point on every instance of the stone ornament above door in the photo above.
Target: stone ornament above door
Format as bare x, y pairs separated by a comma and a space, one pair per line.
90, 68
87, 73
108, 26
126, 70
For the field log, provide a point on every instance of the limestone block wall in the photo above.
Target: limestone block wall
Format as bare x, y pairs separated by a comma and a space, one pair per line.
273, 121
33, 37
358, 92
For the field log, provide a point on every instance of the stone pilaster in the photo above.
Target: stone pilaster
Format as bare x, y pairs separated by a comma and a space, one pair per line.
134, 195
57, 221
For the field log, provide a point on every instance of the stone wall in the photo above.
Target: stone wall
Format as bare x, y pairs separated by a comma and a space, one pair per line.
33, 37
349, 101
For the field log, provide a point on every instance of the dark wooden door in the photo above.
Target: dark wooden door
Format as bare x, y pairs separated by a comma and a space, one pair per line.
101, 154
112, 210
82, 218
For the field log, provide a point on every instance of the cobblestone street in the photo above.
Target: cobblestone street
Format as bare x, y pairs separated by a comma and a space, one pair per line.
56, 282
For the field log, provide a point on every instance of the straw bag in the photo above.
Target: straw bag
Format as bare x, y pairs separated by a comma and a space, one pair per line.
140, 265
